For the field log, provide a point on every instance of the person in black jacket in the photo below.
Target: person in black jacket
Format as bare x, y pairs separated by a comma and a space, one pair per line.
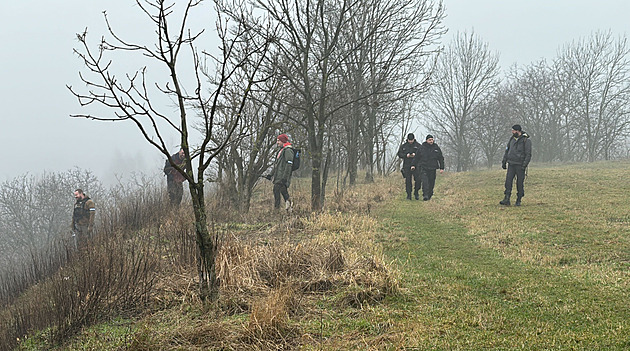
430, 159
408, 152
516, 158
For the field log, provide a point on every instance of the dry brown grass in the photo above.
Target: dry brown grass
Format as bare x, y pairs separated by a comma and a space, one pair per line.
274, 273
275, 269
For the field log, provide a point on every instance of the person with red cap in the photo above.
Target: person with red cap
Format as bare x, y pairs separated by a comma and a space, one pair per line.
281, 175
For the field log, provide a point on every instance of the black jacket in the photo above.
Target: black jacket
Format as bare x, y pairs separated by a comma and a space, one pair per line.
518, 151
407, 148
430, 156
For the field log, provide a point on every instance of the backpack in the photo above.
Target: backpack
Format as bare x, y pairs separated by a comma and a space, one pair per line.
297, 153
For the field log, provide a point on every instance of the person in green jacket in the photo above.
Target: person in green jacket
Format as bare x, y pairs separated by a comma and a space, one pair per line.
281, 175
82, 218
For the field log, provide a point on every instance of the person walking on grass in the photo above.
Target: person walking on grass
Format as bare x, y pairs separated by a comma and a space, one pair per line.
281, 175
408, 152
430, 159
516, 158
82, 217
174, 179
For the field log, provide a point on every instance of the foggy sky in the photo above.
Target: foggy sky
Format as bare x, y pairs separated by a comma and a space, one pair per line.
37, 62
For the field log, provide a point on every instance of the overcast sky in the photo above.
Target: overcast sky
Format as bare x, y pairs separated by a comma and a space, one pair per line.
37, 62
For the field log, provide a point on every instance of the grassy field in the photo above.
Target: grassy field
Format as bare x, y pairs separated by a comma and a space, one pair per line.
378, 272
553, 274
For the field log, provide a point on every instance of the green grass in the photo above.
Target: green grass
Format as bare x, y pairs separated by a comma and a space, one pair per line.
552, 274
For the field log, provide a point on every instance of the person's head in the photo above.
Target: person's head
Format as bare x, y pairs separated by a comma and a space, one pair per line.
282, 139
429, 139
181, 153
79, 195
517, 130
411, 138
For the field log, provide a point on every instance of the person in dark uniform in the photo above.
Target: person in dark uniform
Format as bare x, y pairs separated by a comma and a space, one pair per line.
430, 159
82, 217
516, 158
408, 152
174, 179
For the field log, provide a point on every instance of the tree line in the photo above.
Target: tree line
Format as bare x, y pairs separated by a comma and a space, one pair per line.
347, 80
576, 107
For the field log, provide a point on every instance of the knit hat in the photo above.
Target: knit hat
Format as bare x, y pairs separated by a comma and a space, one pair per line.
283, 138
410, 136
429, 137
517, 127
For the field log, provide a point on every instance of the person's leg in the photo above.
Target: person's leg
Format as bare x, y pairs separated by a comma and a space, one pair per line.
276, 195
284, 191
424, 178
417, 183
509, 180
178, 193
170, 187
431, 178
520, 188
408, 184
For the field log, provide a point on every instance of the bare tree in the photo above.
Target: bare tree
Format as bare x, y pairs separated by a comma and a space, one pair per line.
537, 99
135, 98
247, 158
37, 211
491, 123
600, 68
466, 73
307, 44
400, 56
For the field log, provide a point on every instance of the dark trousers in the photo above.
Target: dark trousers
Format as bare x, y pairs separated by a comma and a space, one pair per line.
279, 189
517, 171
428, 182
175, 192
412, 176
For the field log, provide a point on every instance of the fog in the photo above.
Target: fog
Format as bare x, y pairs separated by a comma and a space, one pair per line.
37, 62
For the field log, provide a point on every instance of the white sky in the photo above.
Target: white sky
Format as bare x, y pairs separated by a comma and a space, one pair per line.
36, 63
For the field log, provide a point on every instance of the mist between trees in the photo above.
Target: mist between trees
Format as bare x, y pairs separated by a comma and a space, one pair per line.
346, 80
36, 217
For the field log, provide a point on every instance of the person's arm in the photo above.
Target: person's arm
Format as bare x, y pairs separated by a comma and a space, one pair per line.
167, 167
440, 160
401, 153
92, 208
288, 164
505, 155
528, 152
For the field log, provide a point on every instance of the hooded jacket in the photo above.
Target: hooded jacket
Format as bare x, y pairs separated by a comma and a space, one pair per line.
430, 156
518, 151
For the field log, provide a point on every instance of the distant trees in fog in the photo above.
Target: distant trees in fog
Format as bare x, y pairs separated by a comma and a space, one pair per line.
575, 108
35, 211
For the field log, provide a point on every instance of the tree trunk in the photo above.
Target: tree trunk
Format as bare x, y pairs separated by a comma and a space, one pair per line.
207, 244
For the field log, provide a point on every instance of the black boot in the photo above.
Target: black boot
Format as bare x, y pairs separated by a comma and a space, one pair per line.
408, 196
518, 201
416, 195
505, 201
